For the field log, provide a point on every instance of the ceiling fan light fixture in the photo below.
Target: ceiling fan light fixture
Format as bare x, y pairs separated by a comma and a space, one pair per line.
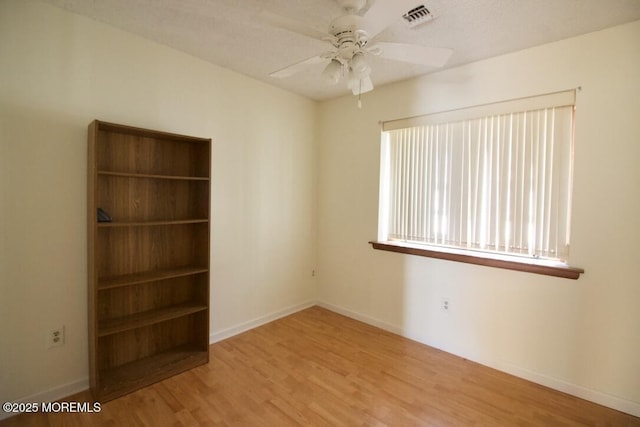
332, 72
359, 85
359, 65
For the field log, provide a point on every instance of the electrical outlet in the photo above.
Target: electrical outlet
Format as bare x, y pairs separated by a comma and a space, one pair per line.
55, 337
445, 305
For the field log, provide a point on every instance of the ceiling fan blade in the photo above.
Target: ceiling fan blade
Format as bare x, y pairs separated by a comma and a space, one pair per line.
293, 26
292, 69
413, 53
383, 13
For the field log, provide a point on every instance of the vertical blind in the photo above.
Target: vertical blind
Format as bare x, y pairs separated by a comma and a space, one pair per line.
482, 179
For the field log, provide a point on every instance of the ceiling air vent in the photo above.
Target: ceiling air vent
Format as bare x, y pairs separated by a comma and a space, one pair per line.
418, 15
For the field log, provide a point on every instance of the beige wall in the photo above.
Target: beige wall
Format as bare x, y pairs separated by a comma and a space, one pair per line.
581, 336
58, 72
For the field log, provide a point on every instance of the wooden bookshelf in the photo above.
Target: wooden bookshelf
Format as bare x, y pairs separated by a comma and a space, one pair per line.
148, 266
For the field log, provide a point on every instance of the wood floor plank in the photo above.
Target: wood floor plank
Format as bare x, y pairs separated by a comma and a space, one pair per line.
318, 368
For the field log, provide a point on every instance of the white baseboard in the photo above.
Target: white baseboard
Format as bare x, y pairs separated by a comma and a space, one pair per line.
51, 395
604, 399
608, 400
361, 317
243, 327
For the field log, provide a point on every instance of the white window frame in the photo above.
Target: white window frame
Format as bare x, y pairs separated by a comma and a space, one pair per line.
416, 201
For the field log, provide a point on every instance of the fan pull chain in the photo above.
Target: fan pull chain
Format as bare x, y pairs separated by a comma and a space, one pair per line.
360, 95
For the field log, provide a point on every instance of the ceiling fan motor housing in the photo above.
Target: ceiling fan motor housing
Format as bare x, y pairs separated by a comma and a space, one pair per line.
345, 25
349, 37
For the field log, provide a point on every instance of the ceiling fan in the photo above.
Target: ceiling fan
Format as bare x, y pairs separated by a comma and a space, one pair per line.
352, 36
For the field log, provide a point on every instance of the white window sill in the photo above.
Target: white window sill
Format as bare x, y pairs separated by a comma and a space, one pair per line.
511, 263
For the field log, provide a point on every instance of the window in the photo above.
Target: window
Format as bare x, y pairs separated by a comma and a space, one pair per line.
492, 181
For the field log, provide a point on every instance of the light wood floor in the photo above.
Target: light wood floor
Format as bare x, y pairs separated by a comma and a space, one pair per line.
319, 368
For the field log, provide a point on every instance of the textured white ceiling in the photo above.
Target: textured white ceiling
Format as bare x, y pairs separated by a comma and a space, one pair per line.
232, 33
